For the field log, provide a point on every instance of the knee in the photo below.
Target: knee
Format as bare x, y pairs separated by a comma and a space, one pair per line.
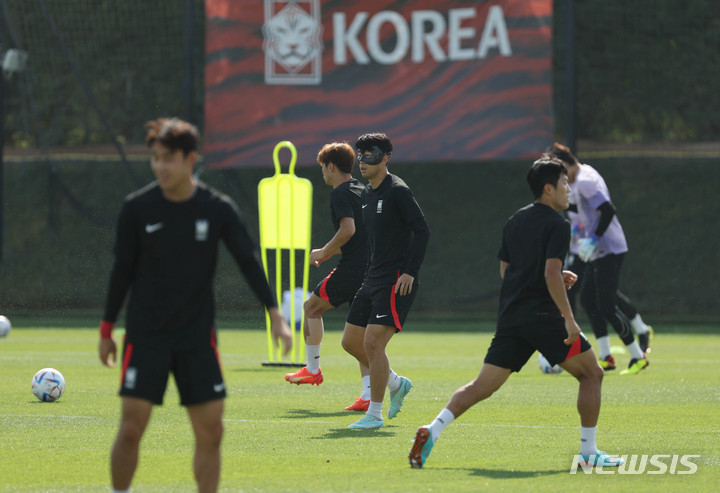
310, 310
211, 436
131, 431
350, 346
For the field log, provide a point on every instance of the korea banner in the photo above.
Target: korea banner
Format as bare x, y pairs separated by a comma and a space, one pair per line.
446, 80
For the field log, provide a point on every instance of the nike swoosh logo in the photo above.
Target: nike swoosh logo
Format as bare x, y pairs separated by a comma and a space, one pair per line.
219, 387
380, 316
364, 205
151, 228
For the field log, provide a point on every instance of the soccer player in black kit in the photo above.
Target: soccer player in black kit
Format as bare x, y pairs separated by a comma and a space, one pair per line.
166, 251
534, 314
336, 161
397, 236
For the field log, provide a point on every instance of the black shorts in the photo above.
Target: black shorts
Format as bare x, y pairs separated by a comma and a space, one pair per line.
380, 305
196, 370
512, 347
340, 286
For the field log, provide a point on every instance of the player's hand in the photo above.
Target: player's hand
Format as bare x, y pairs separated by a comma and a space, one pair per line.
280, 331
569, 278
586, 247
573, 332
108, 352
318, 256
404, 284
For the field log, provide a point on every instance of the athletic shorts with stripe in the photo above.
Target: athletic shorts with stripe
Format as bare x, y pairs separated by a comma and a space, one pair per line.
340, 285
196, 371
381, 305
512, 347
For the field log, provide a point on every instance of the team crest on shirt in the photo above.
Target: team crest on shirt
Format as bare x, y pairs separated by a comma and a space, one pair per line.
202, 226
379, 206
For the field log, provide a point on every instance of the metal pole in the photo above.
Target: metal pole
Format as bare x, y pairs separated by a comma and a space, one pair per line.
570, 79
188, 84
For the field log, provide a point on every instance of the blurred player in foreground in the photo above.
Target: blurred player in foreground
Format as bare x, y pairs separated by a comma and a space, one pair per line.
534, 314
603, 249
166, 252
336, 161
398, 236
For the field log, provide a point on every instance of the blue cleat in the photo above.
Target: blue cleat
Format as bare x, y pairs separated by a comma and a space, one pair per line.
421, 448
367, 422
397, 396
599, 459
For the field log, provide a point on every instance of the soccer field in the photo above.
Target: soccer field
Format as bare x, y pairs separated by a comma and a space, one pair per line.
282, 437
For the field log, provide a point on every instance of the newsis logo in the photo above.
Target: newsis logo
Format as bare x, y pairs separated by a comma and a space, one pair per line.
643, 464
293, 38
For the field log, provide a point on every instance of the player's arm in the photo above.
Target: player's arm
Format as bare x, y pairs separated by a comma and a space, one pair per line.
242, 248
123, 270
412, 215
332, 247
556, 286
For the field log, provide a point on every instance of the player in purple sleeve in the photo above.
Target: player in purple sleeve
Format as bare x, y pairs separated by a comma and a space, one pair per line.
166, 251
397, 237
603, 249
576, 265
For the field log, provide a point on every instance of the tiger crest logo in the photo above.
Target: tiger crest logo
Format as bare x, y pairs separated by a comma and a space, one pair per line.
292, 42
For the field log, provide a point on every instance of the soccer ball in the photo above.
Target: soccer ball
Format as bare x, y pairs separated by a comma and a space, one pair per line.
5, 326
545, 366
48, 385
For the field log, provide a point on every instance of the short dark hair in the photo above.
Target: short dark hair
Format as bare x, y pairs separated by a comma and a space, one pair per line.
366, 142
562, 153
341, 154
544, 171
173, 133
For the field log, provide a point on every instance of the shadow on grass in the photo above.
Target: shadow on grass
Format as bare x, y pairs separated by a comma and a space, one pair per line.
309, 413
348, 433
504, 474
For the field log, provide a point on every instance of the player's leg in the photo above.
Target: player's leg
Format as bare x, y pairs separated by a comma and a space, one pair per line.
578, 267
206, 419
490, 379
589, 302
643, 331
313, 308
607, 274
134, 418
585, 368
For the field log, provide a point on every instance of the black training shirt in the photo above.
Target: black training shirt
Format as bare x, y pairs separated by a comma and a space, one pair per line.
396, 229
345, 202
532, 235
166, 253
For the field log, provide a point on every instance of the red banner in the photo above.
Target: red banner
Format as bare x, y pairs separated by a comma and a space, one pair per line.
446, 80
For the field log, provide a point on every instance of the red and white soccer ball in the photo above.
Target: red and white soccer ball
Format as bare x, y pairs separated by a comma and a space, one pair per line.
546, 367
48, 385
5, 326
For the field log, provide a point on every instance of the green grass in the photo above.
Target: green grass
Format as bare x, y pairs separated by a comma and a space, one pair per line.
282, 437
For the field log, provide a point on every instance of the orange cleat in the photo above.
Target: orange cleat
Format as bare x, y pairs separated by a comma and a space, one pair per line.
359, 405
304, 376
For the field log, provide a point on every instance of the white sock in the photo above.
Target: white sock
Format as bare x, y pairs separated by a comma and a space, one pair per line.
604, 346
313, 358
120, 491
438, 425
366, 388
638, 326
393, 381
587, 441
375, 409
635, 351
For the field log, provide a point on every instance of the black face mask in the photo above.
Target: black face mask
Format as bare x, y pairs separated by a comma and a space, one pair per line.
375, 159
